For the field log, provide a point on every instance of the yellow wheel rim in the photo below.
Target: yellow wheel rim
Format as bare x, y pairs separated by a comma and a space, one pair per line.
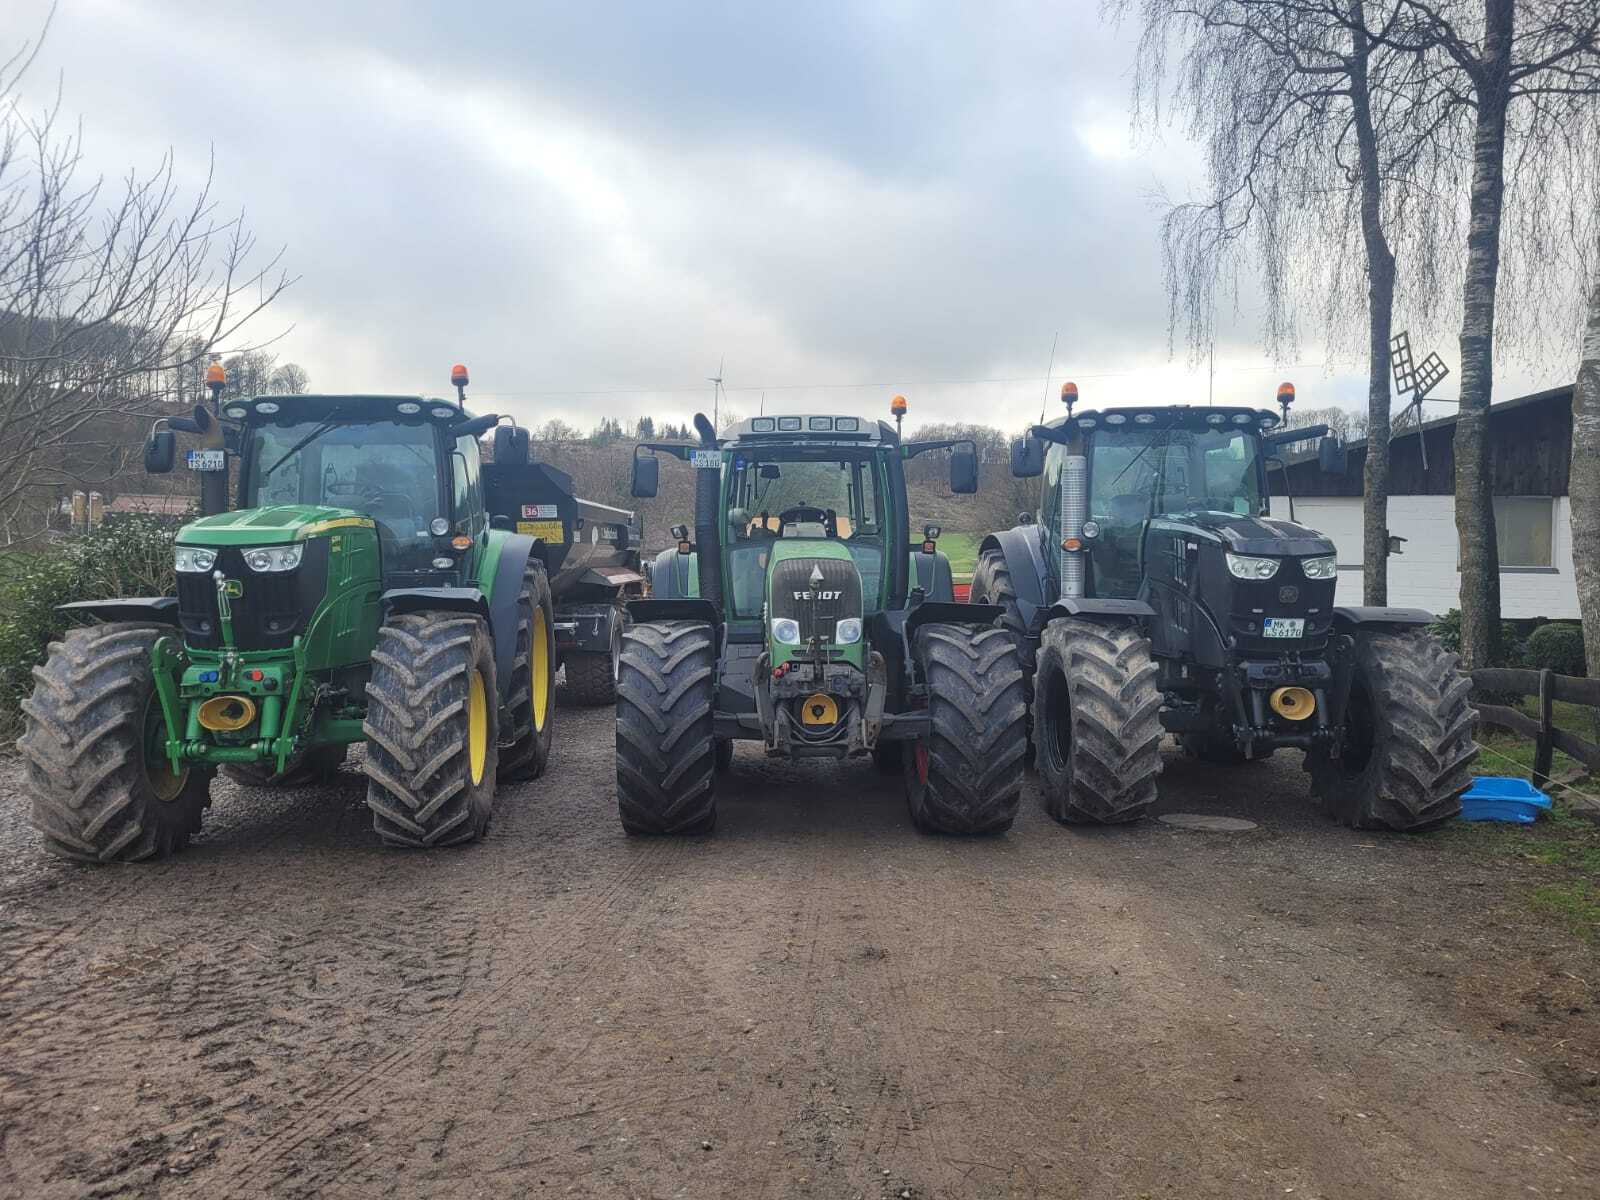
477, 726
158, 772
539, 656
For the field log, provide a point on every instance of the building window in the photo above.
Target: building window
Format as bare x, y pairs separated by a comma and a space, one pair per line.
1524, 530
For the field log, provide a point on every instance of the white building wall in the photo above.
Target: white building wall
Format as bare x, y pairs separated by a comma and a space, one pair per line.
1426, 574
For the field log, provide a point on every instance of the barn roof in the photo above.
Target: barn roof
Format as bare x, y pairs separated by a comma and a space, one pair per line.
1530, 452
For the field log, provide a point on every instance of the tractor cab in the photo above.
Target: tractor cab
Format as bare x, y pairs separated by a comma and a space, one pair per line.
405, 466
802, 615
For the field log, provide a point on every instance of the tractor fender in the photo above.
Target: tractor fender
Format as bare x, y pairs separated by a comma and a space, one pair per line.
1025, 561
1346, 620
1093, 609
947, 612
160, 610
504, 592
675, 576
687, 608
931, 573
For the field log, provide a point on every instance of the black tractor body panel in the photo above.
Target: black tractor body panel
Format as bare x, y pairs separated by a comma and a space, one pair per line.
1030, 574
161, 610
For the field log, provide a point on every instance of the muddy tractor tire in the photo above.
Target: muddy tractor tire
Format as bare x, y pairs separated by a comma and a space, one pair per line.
302, 770
1097, 727
1408, 750
528, 719
592, 678
93, 737
991, 584
666, 749
432, 730
965, 777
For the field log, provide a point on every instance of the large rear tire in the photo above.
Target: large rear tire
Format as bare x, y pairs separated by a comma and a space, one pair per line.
1097, 722
307, 769
966, 776
666, 747
992, 584
93, 743
1408, 751
530, 706
432, 730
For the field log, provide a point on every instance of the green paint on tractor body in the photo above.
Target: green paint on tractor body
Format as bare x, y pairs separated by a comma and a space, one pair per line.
296, 643
837, 594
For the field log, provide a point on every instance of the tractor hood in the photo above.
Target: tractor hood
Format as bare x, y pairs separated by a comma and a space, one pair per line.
274, 525
1256, 535
815, 585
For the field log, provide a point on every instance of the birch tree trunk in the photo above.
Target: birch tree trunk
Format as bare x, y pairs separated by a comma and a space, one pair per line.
1480, 564
1380, 322
1584, 486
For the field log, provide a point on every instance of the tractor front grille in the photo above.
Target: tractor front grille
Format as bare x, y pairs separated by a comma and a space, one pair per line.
818, 609
272, 610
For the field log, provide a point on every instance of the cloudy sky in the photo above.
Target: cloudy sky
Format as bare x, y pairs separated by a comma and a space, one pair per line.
592, 205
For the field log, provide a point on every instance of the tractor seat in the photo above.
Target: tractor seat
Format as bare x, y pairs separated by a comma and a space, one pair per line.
1129, 510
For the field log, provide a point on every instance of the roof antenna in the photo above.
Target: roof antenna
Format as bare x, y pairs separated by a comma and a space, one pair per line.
1418, 380
1048, 371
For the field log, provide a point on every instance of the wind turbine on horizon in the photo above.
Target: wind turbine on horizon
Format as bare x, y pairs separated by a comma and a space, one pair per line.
716, 393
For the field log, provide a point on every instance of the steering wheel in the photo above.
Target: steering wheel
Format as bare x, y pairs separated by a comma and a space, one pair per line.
802, 512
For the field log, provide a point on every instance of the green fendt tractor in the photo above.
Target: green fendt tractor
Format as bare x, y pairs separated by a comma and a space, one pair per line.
361, 591
1155, 593
801, 617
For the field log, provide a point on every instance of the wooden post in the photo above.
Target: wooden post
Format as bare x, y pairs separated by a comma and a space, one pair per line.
1544, 747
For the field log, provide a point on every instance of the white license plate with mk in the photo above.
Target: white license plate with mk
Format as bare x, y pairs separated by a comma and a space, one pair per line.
1283, 627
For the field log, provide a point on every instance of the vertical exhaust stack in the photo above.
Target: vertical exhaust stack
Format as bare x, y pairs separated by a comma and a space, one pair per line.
1074, 511
707, 525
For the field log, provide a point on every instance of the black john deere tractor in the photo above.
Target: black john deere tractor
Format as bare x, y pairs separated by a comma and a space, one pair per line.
801, 616
1153, 592
375, 583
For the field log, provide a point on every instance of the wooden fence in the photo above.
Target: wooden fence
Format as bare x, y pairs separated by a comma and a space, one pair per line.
1547, 687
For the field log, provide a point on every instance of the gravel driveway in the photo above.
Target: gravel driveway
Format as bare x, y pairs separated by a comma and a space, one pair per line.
814, 1001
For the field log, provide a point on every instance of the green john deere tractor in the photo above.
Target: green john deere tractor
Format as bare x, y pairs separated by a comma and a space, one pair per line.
358, 593
800, 616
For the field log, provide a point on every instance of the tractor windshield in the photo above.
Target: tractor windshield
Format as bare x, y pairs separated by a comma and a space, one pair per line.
383, 468
777, 496
1141, 472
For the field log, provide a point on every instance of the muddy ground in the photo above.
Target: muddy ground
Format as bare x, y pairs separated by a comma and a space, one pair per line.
815, 1001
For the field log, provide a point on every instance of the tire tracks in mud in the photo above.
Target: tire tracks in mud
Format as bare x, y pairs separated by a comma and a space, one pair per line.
568, 945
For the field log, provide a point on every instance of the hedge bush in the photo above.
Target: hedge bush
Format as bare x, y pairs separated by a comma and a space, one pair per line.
131, 556
1557, 647
1513, 649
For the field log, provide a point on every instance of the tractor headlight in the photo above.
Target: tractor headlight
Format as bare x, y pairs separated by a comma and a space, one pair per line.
273, 558
847, 632
786, 631
1243, 566
1325, 567
194, 558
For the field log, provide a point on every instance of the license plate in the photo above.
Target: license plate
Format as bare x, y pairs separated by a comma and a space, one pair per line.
206, 460
1283, 627
706, 460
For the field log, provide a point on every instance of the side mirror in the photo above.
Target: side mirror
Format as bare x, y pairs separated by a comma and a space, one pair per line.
646, 475
770, 471
963, 470
1331, 457
510, 444
1027, 458
160, 451
475, 426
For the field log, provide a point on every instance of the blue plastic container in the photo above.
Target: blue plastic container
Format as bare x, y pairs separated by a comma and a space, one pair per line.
1499, 798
